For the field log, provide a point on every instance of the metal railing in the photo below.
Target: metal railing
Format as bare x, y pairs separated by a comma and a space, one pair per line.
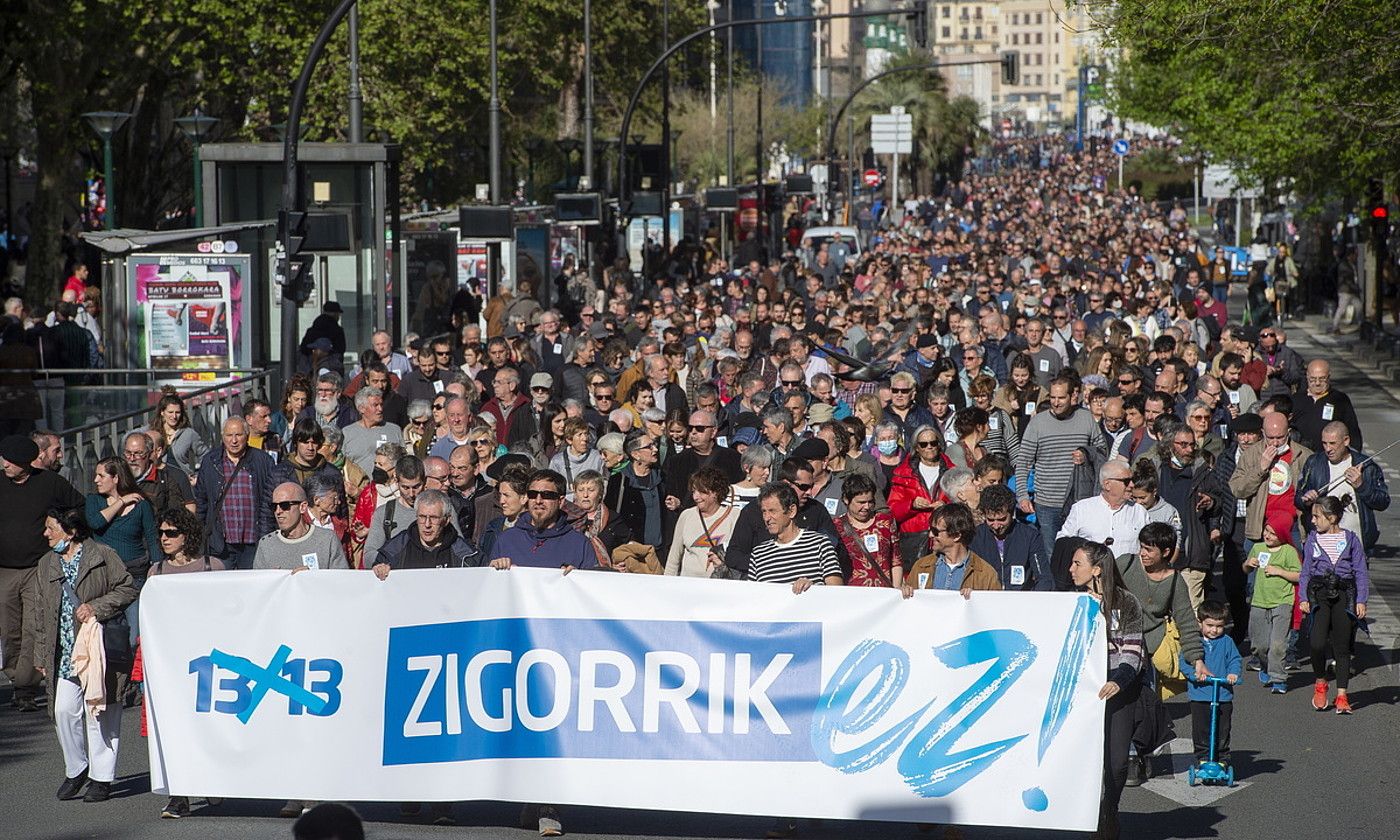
207, 409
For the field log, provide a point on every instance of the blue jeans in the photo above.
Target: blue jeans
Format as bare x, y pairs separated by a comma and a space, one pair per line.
133, 609
1048, 520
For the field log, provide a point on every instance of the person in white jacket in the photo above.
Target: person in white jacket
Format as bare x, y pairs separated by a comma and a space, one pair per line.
1110, 515
702, 531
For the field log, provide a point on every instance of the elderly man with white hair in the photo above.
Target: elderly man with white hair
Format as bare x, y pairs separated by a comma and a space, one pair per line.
233, 496
1112, 514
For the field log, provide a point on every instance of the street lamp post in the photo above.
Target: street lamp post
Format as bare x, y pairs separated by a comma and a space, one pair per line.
105, 124
197, 127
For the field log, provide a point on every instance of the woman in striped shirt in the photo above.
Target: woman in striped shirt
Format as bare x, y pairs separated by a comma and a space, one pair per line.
1092, 569
1333, 586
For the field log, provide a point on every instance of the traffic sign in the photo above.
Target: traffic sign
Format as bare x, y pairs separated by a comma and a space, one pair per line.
1120, 147
892, 134
871, 177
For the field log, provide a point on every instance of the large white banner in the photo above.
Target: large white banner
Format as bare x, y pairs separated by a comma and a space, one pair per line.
627, 691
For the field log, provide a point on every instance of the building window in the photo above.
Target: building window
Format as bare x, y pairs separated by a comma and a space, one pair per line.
1038, 18
1014, 39
963, 34
977, 33
947, 12
1040, 37
947, 32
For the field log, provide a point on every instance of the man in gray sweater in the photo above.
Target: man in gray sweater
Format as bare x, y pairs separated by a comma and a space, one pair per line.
1054, 444
296, 544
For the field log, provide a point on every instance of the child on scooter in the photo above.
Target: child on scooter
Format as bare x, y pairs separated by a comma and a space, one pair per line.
1222, 658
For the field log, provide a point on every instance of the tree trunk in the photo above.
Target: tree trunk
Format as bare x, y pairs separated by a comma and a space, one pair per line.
570, 96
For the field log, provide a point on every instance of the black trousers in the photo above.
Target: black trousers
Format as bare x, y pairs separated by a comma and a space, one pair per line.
1331, 623
1120, 719
1200, 731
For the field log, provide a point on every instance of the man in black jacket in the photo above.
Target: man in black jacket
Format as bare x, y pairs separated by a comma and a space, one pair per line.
26, 496
702, 451
233, 496
750, 530
429, 543
1204, 502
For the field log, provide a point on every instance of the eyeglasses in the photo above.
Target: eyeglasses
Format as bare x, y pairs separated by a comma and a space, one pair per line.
1268, 335
482, 442
607, 396
439, 406
539, 388
792, 383
801, 486
1126, 381
421, 421
286, 505
428, 517
928, 444
546, 495
934, 530
445, 354
697, 427
642, 446
901, 390
170, 533
131, 456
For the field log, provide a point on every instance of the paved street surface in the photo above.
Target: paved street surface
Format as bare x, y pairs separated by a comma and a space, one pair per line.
1286, 754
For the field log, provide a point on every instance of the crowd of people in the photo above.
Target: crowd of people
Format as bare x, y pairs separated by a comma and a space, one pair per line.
1027, 382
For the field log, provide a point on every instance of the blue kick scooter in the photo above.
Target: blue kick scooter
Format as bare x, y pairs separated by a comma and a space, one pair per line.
1210, 771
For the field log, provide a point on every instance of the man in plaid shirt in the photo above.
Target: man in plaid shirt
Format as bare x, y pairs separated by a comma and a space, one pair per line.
232, 495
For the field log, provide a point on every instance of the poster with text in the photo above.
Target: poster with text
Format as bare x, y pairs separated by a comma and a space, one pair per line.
191, 313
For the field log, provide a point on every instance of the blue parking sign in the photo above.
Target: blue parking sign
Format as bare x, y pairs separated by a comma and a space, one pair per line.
1120, 147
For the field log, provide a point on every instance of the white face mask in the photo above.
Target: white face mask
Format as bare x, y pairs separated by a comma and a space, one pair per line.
61, 546
887, 447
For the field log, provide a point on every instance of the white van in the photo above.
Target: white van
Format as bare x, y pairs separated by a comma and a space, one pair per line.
849, 235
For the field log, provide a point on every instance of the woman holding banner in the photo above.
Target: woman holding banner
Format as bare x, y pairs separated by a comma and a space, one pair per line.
1093, 570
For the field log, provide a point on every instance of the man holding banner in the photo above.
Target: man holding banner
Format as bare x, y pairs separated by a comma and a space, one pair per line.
546, 540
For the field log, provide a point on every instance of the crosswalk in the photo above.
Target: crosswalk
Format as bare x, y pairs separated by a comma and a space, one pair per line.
1169, 779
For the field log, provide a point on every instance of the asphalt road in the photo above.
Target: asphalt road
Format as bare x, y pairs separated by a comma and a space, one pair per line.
1301, 773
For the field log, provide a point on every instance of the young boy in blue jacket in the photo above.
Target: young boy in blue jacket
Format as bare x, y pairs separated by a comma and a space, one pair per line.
1222, 659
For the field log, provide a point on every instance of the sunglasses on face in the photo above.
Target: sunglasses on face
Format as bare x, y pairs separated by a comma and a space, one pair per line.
546, 495
699, 428
169, 533
901, 390
439, 406
928, 444
603, 396
804, 487
285, 505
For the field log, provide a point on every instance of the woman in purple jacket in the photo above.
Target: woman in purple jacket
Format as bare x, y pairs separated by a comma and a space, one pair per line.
1333, 588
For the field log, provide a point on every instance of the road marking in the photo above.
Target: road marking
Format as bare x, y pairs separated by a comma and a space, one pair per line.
1179, 754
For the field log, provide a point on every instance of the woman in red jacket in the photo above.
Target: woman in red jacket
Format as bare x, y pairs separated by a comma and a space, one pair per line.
914, 493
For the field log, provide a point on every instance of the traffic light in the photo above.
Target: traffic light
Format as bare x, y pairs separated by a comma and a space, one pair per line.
1376, 209
1010, 68
294, 265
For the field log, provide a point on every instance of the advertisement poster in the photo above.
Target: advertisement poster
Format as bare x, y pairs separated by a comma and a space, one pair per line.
190, 313
429, 279
532, 261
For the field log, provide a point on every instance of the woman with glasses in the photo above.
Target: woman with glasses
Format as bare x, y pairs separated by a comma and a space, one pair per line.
420, 433
182, 552
914, 493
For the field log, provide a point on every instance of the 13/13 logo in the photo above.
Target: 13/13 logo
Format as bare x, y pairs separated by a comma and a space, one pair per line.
241, 684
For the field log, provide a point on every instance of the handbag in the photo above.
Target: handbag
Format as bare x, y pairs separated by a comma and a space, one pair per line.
116, 637
1166, 659
722, 571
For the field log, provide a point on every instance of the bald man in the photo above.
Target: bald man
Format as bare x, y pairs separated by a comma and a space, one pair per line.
1341, 470
1267, 474
1321, 404
233, 496
296, 545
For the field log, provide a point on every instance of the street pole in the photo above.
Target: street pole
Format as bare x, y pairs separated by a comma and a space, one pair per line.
588, 92
729, 95
1080, 113
493, 111
714, 104
1120, 172
357, 102
111, 214
665, 136
293, 199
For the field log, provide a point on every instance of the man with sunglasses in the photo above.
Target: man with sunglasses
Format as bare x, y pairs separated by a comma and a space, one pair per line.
1112, 514
751, 529
545, 540
702, 450
296, 545
1205, 503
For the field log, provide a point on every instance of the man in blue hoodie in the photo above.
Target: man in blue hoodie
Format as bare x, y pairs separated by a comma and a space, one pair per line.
542, 538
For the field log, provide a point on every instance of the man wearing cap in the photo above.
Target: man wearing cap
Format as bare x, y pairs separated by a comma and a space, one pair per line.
26, 496
920, 360
826, 485
323, 346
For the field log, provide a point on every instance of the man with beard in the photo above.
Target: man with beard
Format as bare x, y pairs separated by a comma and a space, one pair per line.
1054, 443
331, 407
